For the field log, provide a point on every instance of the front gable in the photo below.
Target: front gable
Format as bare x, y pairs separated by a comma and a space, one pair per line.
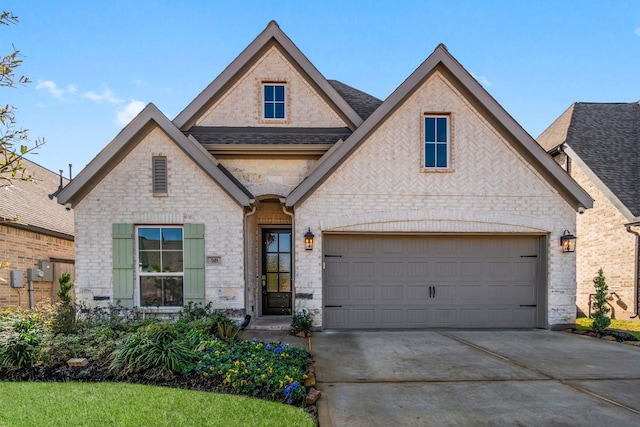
441, 67
483, 164
242, 104
271, 58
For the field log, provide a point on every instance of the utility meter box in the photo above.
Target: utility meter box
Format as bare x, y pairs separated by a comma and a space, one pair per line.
16, 278
47, 269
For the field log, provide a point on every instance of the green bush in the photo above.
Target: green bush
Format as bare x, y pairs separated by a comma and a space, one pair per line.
20, 338
154, 349
301, 321
599, 314
64, 321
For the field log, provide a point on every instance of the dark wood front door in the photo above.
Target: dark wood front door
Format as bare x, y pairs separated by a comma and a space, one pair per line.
276, 271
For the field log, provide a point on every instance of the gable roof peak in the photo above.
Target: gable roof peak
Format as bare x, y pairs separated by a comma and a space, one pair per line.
272, 33
441, 46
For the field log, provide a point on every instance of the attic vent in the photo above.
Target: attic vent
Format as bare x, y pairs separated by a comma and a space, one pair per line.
159, 167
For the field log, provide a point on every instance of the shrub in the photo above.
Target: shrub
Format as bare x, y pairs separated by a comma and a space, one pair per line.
301, 321
155, 349
600, 319
20, 337
64, 320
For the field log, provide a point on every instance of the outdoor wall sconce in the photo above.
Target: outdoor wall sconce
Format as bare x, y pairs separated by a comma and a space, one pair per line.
308, 240
568, 242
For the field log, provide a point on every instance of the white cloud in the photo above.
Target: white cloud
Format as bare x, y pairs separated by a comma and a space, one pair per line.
54, 90
637, 31
128, 112
482, 80
107, 96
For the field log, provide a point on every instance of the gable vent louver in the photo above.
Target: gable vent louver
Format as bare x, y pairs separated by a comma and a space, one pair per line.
160, 182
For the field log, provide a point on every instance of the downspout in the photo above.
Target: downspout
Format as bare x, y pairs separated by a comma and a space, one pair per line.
637, 269
245, 232
293, 250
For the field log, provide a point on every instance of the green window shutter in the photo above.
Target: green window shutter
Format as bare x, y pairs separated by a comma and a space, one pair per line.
122, 242
193, 263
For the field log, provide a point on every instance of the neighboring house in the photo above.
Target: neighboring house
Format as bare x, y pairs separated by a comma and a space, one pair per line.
599, 145
34, 229
433, 208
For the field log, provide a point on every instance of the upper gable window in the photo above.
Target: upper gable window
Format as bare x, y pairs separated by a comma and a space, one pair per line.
437, 144
274, 101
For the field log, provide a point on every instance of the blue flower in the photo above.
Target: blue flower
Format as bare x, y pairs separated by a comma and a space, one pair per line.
287, 392
289, 401
294, 385
268, 347
255, 340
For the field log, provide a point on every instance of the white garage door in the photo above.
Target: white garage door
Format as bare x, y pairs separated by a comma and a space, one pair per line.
432, 281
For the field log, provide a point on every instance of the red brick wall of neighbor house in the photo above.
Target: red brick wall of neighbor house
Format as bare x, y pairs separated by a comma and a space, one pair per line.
23, 249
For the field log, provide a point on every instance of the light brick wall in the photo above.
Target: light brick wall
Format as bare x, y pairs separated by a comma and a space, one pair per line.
241, 105
269, 176
603, 242
23, 249
381, 188
125, 196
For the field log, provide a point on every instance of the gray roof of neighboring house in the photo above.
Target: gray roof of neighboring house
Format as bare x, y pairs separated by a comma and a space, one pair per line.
362, 103
606, 138
29, 201
261, 135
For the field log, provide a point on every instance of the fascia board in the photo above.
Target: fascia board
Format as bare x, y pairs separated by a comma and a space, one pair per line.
185, 118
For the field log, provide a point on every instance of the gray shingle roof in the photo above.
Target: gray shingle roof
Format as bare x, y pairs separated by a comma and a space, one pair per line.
263, 135
29, 201
362, 103
606, 137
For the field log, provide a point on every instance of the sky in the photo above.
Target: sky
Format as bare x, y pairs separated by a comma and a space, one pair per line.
94, 65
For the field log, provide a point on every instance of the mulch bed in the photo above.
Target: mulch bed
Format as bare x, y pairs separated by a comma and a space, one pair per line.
618, 335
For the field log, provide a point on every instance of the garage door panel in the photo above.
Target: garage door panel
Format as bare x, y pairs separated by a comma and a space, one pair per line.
417, 292
392, 270
392, 293
431, 281
417, 269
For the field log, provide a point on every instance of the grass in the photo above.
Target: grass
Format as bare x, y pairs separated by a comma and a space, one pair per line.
630, 326
120, 404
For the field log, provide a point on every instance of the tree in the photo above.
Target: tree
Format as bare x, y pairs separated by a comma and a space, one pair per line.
14, 141
600, 319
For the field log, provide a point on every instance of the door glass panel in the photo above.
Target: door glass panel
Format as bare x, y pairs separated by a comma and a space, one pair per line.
285, 263
285, 282
272, 263
272, 282
285, 242
271, 242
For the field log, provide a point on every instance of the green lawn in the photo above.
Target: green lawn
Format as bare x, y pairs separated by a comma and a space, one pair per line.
120, 404
632, 326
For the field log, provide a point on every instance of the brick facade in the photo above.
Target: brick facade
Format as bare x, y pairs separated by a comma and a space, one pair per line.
491, 190
23, 249
125, 196
603, 242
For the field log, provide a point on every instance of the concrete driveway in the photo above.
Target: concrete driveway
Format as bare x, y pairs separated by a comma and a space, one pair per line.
458, 378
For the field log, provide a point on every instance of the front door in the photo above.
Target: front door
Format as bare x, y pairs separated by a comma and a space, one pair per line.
276, 271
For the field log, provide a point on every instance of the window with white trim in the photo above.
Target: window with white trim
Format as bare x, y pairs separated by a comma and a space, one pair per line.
437, 145
161, 266
274, 100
